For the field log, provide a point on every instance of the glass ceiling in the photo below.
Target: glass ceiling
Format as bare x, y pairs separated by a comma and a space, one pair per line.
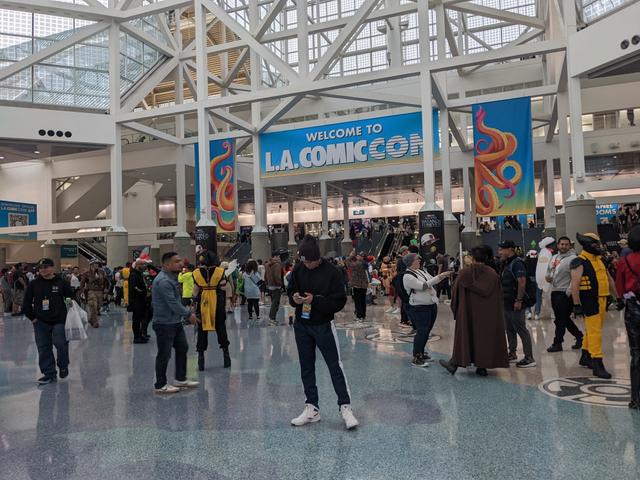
77, 76
590, 10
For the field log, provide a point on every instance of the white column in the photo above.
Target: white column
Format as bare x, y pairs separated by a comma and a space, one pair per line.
469, 214
203, 121
563, 139
290, 214
258, 191
324, 234
345, 212
427, 119
550, 198
303, 37
179, 78
181, 192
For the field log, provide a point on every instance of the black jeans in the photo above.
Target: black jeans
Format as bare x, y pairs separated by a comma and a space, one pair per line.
632, 322
253, 304
47, 335
168, 336
423, 317
360, 301
138, 317
562, 306
516, 326
275, 295
325, 338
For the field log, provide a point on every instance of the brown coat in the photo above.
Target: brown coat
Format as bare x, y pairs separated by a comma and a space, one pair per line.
477, 308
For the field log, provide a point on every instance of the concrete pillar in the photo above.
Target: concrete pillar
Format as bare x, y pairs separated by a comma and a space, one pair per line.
561, 224
3, 257
182, 246
291, 243
324, 233
117, 249
345, 246
52, 250
563, 140
549, 196
580, 217
260, 246
469, 239
451, 236
469, 214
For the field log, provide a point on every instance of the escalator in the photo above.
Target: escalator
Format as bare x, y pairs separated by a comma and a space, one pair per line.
93, 249
240, 252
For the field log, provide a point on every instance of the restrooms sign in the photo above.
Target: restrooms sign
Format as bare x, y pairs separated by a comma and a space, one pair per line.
366, 143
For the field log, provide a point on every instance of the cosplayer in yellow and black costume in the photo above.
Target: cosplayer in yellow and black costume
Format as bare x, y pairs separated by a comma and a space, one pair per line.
208, 292
590, 287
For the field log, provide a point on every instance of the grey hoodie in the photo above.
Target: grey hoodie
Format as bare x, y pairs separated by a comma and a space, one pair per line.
559, 270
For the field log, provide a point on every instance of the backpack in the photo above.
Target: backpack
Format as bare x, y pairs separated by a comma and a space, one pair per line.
530, 288
399, 286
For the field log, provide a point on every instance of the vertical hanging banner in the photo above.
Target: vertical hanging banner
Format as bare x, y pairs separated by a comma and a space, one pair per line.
222, 175
503, 158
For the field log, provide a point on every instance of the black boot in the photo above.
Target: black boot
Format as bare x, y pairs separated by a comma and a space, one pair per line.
598, 369
578, 344
585, 359
482, 372
450, 368
227, 358
201, 361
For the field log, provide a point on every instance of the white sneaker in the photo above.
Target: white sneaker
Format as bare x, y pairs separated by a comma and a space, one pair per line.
536, 317
310, 414
167, 389
347, 415
529, 315
186, 384
389, 310
395, 311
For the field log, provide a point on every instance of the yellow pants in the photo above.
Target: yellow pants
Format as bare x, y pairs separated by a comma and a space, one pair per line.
592, 341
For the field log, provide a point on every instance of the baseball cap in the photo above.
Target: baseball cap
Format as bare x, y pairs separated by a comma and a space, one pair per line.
507, 244
45, 262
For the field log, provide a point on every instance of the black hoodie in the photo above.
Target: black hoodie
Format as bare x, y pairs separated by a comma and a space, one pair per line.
327, 286
44, 300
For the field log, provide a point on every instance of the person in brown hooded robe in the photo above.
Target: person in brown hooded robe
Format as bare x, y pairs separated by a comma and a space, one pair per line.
477, 308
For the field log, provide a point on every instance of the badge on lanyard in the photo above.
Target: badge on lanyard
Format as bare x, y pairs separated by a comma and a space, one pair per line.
306, 311
45, 305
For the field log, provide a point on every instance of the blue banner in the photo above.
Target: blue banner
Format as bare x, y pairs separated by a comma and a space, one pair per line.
14, 214
222, 173
503, 158
605, 213
347, 145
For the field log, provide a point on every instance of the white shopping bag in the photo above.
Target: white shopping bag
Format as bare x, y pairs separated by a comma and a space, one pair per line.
74, 328
82, 313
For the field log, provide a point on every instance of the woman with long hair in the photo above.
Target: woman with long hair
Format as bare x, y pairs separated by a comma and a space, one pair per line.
477, 308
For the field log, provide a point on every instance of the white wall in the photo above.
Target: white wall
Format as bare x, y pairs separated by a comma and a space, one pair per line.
140, 211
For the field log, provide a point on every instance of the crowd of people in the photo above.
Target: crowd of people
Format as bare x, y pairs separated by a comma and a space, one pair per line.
491, 298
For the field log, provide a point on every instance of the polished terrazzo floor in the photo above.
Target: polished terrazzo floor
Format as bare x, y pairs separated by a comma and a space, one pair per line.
104, 421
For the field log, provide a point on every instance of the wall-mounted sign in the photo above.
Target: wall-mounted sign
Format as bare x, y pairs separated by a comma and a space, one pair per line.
68, 251
15, 214
358, 212
341, 146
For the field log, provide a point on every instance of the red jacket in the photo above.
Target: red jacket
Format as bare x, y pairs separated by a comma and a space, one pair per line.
628, 279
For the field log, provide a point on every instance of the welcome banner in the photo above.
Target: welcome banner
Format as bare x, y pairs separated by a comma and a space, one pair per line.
346, 145
16, 214
503, 158
222, 175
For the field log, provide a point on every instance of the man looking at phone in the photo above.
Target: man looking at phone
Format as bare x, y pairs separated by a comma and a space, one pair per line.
316, 290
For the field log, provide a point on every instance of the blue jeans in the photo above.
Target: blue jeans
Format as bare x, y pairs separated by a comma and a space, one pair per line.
538, 306
423, 317
47, 335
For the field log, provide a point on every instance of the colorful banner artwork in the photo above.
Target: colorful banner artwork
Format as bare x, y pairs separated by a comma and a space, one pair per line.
14, 214
503, 161
222, 173
347, 145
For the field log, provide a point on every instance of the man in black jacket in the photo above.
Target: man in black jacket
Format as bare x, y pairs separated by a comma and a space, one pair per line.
138, 301
44, 304
316, 290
